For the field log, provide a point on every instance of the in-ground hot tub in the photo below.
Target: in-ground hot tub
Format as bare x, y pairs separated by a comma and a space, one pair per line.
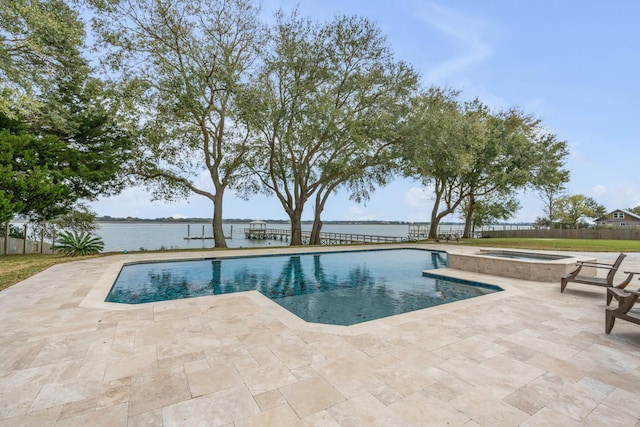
539, 267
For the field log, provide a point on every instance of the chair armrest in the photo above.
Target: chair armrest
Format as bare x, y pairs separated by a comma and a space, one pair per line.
619, 292
624, 292
595, 264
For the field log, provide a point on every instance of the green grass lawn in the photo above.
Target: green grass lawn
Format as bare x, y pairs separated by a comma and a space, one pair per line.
15, 268
573, 245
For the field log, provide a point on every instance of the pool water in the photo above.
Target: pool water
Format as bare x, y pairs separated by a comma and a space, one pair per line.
338, 288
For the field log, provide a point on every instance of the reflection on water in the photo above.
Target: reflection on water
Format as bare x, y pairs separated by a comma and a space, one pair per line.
334, 288
438, 259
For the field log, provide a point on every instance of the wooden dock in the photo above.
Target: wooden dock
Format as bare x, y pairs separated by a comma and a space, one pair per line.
203, 236
419, 231
325, 238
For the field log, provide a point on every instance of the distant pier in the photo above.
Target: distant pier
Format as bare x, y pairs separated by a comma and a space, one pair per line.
325, 238
202, 236
419, 231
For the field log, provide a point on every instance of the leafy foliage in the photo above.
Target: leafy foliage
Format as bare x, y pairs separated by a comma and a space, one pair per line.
448, 145
80, 219
61, 139
469, 153
324, 108
33, 176
635, 210
40, 43
42, 176
72, 243
549, 174
573, 210
489, 210
180, 64
14, 231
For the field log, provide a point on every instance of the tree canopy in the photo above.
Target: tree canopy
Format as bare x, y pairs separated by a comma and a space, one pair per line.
40, 47
323, 111
61, 137
43, 175
467, 152
635, 210
572, 211
550, 176
489, 209
203, 98
181, 64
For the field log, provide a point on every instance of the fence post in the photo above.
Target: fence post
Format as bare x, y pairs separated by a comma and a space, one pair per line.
6, 238
24, 240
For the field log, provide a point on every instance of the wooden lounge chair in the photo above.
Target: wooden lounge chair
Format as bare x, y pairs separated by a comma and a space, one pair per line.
614, 290
591, 280
626, 300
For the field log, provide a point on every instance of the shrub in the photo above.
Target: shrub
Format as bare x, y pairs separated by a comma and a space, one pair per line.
75, 244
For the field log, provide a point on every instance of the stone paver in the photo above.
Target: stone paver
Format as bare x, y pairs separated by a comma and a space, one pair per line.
525, 356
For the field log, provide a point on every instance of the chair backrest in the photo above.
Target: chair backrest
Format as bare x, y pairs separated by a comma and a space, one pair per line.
614, 268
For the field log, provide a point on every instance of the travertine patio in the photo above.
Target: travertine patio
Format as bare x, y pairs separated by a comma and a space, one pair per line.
525, 356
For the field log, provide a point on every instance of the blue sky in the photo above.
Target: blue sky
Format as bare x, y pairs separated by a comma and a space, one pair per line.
574, 64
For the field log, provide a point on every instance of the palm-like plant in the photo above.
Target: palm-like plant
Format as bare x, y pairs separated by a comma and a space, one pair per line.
75, 244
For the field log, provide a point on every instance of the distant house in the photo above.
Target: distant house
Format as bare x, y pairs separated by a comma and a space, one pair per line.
620, 218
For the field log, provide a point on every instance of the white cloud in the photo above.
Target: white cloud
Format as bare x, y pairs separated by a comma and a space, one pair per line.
417, 198
418, 204
136, 202
466, 33
598, 190
359, 213
623, 196
131, 202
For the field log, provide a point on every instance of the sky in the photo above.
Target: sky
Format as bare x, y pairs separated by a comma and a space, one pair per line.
573, 64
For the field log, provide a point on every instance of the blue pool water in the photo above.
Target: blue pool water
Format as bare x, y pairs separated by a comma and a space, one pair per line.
339, 288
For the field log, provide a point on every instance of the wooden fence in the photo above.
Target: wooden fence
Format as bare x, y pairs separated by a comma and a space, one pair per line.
22, 246
589, 233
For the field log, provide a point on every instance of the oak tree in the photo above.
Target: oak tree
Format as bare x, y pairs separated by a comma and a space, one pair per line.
572, 211
181, 64
324, 110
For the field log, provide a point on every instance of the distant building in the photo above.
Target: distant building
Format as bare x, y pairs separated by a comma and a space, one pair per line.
619, 218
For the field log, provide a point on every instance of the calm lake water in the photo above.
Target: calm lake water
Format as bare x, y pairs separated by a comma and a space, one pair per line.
119, 237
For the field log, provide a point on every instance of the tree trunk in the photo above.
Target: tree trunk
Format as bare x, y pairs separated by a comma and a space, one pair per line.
315, 230
433, 228
6, 238
551, 218
218, 232
468, 221
435, 221
317, 222
436, 216
296, 227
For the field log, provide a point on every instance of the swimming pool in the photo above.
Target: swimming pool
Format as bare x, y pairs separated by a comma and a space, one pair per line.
338, 288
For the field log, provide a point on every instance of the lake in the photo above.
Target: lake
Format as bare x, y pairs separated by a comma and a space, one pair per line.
136, 236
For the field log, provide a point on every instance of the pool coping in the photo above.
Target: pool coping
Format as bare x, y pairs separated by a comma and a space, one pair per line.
95, 298
539, 270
